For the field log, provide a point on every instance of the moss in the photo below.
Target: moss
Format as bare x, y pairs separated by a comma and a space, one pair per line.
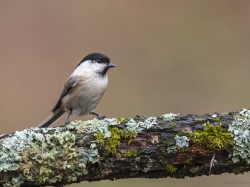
160, 157
133, 174
181, 132
239, 170
128, 135
131, 152
166, 153
170, 168
187, 161
165, 142
110, 143
182, 150
213, 137
217, 119
119, 120
174, 124
199, 120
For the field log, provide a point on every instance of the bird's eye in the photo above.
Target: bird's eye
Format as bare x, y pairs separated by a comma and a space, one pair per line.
98, 61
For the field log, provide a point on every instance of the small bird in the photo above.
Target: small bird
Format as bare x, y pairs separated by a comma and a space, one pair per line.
83, 89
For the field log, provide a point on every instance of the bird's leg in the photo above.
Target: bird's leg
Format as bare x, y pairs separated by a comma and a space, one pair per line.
67, 121
98, 115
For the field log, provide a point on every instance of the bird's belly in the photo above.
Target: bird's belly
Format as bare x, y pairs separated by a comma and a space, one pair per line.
83, 99
84, 104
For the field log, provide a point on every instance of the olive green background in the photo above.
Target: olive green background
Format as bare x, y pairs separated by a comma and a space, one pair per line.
174, 56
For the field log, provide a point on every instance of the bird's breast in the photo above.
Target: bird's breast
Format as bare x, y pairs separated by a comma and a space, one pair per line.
85, 95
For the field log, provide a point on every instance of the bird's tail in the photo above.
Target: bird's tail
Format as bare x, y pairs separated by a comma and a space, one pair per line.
52, 118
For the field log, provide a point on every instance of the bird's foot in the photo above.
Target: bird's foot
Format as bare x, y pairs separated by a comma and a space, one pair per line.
67, 121
101, 117
98, 115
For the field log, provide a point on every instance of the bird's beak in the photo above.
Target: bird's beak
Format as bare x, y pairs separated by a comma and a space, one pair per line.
111, 65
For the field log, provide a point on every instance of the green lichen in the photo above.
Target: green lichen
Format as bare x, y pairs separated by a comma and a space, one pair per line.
15, 182
170, 168
51, 157
48, 155
174, 124
239, 130
131, 153
213, 137
45, 158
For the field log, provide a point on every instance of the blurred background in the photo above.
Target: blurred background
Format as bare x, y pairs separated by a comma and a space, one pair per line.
171, 56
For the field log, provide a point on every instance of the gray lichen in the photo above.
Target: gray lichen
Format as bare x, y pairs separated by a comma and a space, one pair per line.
15, 182
239, 130
93, 126
169, 117
181, 142
43, 158
132, 126
48, 155
194, 170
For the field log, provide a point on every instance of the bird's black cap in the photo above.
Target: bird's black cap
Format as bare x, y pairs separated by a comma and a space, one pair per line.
99, 57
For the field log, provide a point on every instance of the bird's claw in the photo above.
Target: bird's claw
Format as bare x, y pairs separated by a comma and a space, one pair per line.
98, 115
101, 117
67, 121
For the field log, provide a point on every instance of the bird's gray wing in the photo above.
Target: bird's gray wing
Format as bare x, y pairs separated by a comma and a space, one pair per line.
68, 87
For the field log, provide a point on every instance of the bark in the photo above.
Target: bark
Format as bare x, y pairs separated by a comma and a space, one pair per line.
148, 155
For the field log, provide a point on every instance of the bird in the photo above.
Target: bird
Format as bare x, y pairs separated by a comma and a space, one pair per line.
83, 89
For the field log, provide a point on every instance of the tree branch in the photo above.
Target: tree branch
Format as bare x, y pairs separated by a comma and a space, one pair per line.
150, 147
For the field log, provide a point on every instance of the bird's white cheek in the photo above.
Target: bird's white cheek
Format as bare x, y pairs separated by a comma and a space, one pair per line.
83, 68
89, 67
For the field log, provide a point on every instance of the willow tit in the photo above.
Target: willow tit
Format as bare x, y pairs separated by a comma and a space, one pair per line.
83, 89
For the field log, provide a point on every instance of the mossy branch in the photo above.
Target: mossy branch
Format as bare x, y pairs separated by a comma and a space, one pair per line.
171, 145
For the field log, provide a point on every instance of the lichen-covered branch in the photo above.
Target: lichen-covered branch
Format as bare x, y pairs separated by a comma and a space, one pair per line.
171, 145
